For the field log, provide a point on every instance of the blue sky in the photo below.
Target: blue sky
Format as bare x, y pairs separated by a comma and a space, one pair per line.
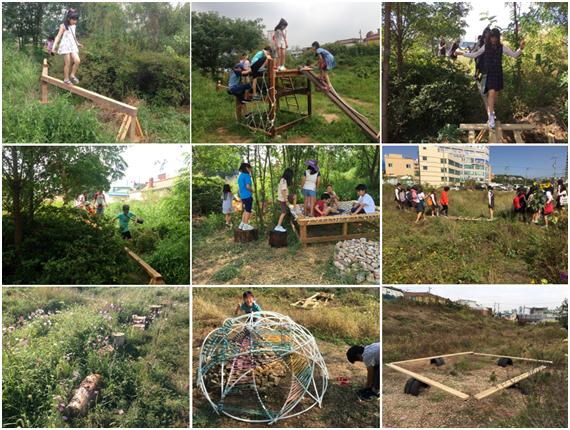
538, 159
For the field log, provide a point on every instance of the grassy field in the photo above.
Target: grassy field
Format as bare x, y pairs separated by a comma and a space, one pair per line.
445, 251
412, 330
213, 113
333, 331
216, 259
60, 341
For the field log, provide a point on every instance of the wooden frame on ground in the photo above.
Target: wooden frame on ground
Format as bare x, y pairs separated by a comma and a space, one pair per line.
155, 277
457, 393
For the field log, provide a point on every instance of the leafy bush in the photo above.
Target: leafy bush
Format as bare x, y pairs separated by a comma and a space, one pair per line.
64, 246
206, 192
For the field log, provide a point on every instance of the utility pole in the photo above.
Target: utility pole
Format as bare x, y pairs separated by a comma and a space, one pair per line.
555, 158
526, 175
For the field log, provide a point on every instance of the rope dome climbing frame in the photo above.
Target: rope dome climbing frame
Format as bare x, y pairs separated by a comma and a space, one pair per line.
261, 368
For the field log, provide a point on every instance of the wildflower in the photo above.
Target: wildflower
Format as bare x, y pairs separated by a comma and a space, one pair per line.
65, 418
61, 407
120, 412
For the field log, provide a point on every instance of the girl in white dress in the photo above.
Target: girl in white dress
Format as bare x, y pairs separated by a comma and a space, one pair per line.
280, 38
69, 46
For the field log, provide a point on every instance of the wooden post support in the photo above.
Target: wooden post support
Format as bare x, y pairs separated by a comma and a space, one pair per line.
118, 339
43, 84
84, 396
244, 236
309, 99
278, 239
272, 97
303, 233
345, 229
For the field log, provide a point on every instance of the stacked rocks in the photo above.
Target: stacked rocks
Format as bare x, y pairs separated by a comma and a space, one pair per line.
360, 257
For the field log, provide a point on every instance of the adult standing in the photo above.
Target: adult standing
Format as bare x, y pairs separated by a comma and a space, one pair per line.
100, 202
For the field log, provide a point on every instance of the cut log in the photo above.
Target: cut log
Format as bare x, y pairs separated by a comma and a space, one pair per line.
243, 236
118, 339
155, 309
141, 327
278, 239
84, 396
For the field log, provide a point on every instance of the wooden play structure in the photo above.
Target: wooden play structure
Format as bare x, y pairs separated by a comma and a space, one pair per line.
130, 125
314, 301
418, 380
302, 223
496, 135
278, 93
155, 277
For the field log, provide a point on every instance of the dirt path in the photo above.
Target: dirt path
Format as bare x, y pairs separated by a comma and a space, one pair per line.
341, 407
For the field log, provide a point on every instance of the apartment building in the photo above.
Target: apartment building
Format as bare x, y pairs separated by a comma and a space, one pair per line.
453, 164
397, 165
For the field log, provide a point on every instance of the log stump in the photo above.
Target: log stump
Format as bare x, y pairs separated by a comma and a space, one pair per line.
118, 339
84, 396
243, 236
278, 239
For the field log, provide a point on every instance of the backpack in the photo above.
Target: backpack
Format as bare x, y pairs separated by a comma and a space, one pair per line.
429, 201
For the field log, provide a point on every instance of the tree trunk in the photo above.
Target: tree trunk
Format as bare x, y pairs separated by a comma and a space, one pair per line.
517, 41
17, 204
399, 40
386, 70
84, 396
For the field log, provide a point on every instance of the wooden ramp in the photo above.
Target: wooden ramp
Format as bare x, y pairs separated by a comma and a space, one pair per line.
496, 135
364, 125
130, 124
155, 277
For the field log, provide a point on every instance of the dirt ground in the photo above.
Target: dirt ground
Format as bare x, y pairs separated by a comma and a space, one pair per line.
341, 407
436, 408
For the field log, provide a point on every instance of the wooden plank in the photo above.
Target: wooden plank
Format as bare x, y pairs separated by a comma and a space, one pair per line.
345, 229
499, 132
133, 129
429, 381
122, 127
288, 73
272, 97
493, 136
435, 356
103, 101
550, 138
291, 92
156, 278
289, 124
484, 126
508, 383
480, 136
518, 136
513, 358
303, 228
139, 129
337, 237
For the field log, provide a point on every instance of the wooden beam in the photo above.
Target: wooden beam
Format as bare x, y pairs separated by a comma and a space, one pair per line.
518, 136
513, 358
103, 101
429, 381
289, 124
155, 277
429, 358
503, 126
44, 85
290, 92
287, 73
508, 383
336, 237
499, 132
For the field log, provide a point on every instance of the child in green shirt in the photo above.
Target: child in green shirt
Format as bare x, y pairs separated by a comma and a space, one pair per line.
124, 219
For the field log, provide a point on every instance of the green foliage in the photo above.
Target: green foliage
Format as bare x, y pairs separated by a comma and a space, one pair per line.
145, 383
64, 246
206, 192
217, 41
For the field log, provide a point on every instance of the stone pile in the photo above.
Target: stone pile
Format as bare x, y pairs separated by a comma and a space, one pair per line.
360, 257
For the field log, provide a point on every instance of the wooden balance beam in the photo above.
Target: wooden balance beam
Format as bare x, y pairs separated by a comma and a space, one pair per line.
496, 135
130, 124
155, 277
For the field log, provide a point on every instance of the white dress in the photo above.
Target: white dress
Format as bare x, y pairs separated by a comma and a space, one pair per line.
280, 39
67, 44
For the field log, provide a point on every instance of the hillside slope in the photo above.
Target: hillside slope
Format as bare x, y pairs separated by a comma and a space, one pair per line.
412, 330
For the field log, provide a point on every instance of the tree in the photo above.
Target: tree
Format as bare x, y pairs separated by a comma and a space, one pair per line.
217, 40
386, 69
216, 160
562, 314
34, 174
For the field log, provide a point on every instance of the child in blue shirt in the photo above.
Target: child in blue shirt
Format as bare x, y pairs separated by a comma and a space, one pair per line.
124, 219
248, 305
326, 64
245, 194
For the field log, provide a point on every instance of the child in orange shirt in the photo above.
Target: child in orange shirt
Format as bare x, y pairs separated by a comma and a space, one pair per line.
444, 201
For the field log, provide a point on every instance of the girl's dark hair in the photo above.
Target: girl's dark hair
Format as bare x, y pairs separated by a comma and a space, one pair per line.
243, 167
70, 14
312, 169
288, 176
315, 45
246, 294
226, 189
445, 188
281, 25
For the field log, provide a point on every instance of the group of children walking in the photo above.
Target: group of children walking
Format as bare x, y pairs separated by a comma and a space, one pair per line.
328, 204
528, 204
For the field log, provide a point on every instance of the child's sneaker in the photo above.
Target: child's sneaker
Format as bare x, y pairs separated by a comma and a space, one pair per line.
74, 79
256, 97
367, 395
67, 82
281, 68
492, 121
280, 229
240, 226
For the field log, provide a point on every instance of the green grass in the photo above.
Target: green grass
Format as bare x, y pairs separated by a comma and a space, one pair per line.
440, 250
145, 383
213, 113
